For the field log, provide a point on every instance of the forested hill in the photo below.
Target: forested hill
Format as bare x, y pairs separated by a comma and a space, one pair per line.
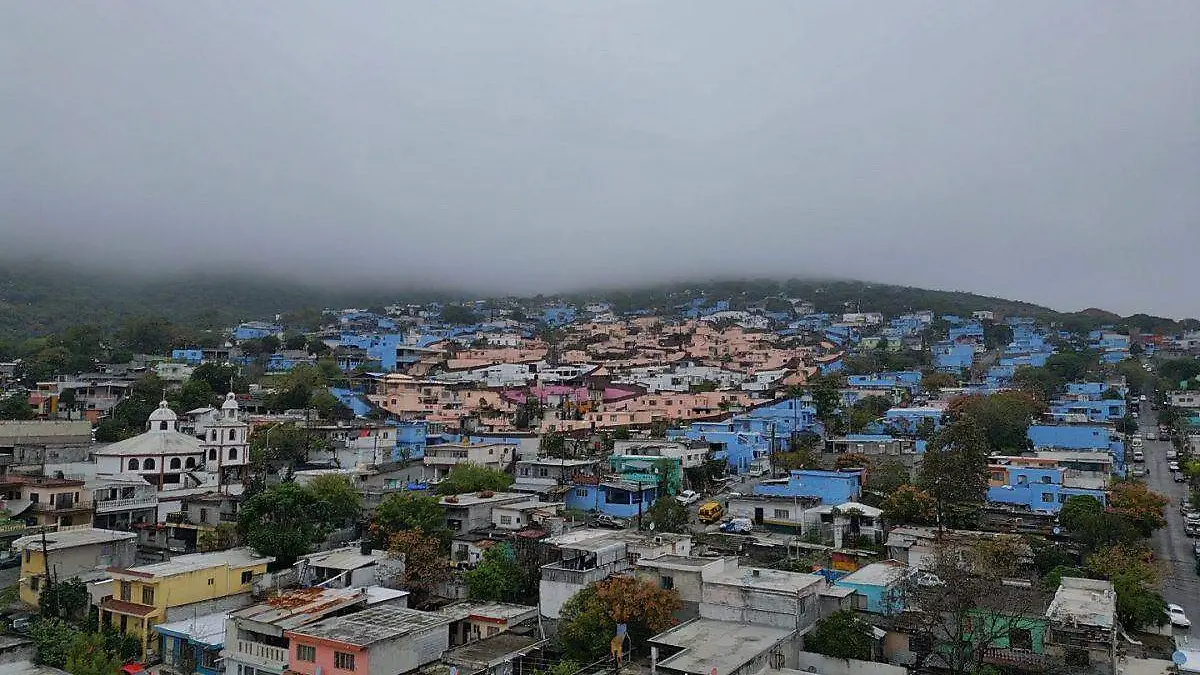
46, 299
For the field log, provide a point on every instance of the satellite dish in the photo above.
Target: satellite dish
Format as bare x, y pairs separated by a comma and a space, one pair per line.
1179, 658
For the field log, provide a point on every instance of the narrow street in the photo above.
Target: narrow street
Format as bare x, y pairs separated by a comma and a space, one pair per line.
1172, 546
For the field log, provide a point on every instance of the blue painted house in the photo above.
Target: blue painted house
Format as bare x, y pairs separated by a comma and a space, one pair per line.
558, 316
1088, 437
1040, 488
726, 440
193, 357
620, 498
1093, 411
909, 420
881, 585
831, 487
949, 357
193, 645
255, 329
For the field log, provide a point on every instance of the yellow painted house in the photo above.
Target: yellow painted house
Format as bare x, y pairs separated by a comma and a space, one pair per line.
72, 552
182, 587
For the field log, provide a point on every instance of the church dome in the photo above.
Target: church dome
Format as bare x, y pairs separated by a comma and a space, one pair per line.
163, 413
230, 402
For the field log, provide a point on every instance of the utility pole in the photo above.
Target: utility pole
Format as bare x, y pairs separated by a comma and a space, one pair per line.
45, 559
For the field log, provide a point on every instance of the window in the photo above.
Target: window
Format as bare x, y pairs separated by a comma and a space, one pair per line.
175, 464
781, 513
203, 515
1020, 638
35, 583
306, 653
492, 630
233, 453
126, 591
581, 492
213, 436
506, 520
246, 576
133, 465
1047, 498
343, 661
212, 454
232, 434
860, 601
1046, 480
28, 554
147, 595
190, 463
543, 472
667, 583
148, 465
211, 581
162, 426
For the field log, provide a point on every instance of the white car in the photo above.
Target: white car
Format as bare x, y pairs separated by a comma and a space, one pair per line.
688, 497
1177, 616
1142, 397
1171, 454
1149, 437
1174, 466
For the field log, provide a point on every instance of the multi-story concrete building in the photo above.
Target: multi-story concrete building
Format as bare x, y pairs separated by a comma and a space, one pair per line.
82, 552
200, 583
376, 641
256, 641
440, 459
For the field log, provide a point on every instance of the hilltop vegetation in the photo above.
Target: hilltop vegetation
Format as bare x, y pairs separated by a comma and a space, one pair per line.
37, 300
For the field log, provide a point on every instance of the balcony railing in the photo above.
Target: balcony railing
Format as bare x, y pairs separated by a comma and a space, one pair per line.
262, 653
110, 505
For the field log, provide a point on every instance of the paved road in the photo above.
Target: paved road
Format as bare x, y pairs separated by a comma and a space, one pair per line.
1182, 584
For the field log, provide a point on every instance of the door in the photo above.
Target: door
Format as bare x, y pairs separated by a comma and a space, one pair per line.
758, 516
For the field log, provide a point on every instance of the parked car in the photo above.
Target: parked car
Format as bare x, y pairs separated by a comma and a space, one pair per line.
737, 526
1196, 549
605, 520
1149, 437
1138, 472
20, 624
756, 472
1171, 454
1174, 466
711, 512
1179, 477
687, 497
1177, 616
10, 561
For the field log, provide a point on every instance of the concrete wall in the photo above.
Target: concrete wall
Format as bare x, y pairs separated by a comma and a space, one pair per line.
745, 604
830, 666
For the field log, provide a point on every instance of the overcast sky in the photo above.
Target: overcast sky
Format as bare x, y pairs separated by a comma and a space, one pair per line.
1039, 150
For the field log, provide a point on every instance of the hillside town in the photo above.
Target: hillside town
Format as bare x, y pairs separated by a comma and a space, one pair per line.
733, 486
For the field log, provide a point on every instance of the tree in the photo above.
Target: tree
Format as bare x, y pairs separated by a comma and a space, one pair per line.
459, 315
954, 471
826, 397
1136, 503
464, 478
67, 600
283, 521
282, 442
851, 460
1004, 418
1038, 381
668, 515
909, 504
402, 511
867, 410
54, 639
225, 536
88, 656
1135, 560
146, 335
194, 394
968, 609
498, 577
589, 619
424, 567
887, 475
340, 502
1138, 605
841, 635
16, 407
328, 406
220, 377
799, 458
552, 445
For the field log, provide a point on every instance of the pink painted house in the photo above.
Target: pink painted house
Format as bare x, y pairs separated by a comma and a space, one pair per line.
385, 640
